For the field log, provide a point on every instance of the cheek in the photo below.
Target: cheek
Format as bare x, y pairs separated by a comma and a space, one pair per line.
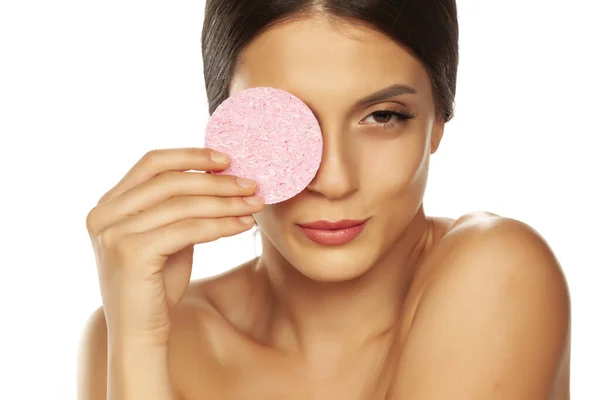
265, 217
271, 216
392, 165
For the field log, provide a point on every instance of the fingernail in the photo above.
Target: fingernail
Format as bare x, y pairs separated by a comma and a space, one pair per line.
246, 219
219, 158
253, 200
246, 183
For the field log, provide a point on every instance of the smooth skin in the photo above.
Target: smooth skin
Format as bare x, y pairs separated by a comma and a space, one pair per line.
416, 307
143, 231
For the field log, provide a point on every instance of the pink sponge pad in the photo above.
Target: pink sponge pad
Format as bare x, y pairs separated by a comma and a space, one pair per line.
271, 136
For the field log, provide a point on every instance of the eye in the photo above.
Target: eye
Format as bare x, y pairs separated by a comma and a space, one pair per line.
384, 118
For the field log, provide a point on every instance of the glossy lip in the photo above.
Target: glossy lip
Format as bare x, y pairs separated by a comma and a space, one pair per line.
330, 225
332, 233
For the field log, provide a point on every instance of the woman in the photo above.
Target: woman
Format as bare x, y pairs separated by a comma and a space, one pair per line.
357, 294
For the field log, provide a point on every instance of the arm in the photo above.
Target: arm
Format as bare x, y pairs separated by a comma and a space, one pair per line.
119, 369
493, 325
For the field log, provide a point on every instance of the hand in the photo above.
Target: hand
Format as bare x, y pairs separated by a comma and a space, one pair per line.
144, 229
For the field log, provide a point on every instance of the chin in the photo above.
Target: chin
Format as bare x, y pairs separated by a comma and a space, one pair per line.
333, 263
331, 267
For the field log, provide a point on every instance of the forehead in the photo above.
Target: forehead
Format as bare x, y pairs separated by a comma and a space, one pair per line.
314, 55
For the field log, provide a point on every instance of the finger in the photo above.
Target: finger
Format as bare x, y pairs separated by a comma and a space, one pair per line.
160, 160
187, 207
174, 237
164, 186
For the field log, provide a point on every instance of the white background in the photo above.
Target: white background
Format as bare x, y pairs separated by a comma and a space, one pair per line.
86, 88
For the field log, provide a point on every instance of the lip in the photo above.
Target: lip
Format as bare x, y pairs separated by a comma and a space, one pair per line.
333, 233
332, 225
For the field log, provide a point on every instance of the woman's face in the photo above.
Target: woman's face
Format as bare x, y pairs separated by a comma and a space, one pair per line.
374, 163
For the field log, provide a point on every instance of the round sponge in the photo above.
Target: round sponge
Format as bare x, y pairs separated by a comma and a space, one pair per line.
271, 136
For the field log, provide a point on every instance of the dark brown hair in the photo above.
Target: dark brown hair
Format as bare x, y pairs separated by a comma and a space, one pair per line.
428, 29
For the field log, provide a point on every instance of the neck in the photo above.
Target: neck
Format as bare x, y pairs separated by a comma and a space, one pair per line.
309, 316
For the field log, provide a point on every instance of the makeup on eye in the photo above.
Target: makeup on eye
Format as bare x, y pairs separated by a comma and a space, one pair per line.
400, 115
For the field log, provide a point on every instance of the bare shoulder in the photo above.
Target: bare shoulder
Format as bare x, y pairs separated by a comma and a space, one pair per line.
497, 245
494, 317
502, 240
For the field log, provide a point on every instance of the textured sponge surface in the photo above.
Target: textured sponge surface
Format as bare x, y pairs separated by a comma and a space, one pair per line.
271, 136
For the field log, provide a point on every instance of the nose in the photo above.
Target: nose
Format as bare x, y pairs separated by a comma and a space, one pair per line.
336, 177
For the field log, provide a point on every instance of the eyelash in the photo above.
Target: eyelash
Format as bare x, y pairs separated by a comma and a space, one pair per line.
403, 116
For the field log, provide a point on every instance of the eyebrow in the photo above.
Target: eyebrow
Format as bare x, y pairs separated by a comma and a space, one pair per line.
390, 91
